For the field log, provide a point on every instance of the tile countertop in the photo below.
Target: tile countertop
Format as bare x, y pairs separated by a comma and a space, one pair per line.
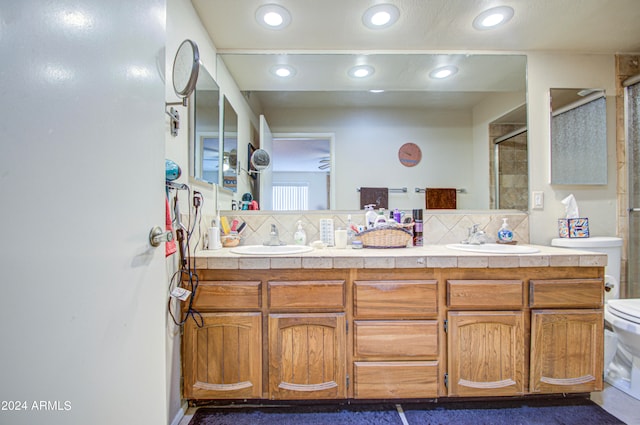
432, 256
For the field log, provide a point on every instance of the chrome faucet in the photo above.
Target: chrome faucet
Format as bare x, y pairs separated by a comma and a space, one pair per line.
476, 236
274, 237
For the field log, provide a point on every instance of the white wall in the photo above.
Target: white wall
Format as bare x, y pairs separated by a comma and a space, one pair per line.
598, 203
366, 150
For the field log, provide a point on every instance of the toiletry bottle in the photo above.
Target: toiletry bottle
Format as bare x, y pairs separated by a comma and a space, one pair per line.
505, 234
350, 232
397, 216
300, 236
370, 216
417, 228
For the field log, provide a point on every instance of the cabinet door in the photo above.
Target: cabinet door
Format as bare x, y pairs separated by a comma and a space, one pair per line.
566, 351
486, 353
223, 359
307, 357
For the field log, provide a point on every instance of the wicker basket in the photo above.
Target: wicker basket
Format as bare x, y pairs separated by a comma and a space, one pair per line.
385, 237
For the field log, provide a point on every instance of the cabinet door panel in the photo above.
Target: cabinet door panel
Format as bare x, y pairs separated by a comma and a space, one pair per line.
307, 357
223, 359
486, 353
566, 351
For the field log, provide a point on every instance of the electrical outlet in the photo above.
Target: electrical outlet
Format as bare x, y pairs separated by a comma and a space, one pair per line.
538, 200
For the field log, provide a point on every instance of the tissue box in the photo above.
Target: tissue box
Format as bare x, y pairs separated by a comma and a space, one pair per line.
573, 227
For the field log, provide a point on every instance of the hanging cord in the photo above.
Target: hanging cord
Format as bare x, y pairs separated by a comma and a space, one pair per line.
186, 276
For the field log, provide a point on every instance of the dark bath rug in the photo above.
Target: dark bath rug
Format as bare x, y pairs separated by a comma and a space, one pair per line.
383, 414
515, 412
575, 411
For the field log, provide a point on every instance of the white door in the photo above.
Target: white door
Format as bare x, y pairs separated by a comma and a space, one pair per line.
82, 182
266, 176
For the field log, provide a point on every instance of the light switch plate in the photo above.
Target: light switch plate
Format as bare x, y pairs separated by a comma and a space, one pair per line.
538, 200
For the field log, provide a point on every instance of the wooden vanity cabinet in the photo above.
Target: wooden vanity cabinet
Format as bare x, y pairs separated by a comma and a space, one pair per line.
223, 358
307, 350
395, 338
567, 332
486, 350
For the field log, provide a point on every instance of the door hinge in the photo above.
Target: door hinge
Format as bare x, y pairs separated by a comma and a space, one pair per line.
446, 380
347, 381
347, 324
446, 325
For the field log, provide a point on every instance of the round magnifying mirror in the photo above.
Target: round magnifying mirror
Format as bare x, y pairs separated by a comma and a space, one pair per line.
185, 68
260, 159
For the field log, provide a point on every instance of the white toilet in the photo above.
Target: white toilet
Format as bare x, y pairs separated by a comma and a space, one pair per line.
622, 346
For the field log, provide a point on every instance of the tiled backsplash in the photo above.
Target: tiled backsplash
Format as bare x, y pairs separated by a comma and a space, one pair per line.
439, 227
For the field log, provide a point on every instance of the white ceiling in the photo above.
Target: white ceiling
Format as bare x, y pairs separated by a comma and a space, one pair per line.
597, 26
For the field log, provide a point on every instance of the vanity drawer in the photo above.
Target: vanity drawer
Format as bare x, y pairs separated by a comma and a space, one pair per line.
480, 294
395, 298
395, 379
400, 339
310, 294
227, 295
586, 293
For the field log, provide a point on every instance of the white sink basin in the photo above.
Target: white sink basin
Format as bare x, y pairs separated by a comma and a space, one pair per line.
271, 250
494, 248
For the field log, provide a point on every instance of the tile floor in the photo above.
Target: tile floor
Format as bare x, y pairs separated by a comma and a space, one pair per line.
614, 401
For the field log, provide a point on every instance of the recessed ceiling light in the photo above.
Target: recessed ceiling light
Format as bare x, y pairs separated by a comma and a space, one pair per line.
380, 16
361, 71
443, 72
376, 91
273, 16
491, 18
283, 71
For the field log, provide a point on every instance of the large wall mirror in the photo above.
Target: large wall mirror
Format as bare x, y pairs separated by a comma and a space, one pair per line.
578, 136
205, 141
229, 147
448, 118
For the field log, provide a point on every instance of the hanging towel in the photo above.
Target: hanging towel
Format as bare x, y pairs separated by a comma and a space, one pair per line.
440, 199
378, 196
170, 247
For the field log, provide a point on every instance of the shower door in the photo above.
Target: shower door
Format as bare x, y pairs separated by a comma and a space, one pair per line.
632, 123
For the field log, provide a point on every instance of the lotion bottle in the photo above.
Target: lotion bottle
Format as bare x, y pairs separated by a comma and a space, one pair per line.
370, 216
505, 234
300, 236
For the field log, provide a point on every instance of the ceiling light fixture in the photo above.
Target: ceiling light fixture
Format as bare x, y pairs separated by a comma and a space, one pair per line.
376, 91
380, 16
361, 71
273, 16
443, 72
283, 71
492, 18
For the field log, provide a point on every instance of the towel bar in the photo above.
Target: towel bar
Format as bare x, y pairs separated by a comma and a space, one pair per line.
422, 190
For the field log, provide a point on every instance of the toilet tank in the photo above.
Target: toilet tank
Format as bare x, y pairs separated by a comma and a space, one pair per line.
609, 245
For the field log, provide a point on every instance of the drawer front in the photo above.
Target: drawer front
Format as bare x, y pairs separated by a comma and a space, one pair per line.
316, 294
585, 293
227, 295
395, 298
388, 340
480, 294
396, 379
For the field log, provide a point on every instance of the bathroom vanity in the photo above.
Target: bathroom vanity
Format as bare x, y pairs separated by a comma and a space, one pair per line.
423, 322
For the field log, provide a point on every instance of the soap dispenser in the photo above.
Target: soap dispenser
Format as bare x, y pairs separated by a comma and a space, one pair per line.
300, 236
505, 234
